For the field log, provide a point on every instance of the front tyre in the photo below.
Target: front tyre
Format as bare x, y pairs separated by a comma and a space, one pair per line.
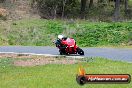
80, 51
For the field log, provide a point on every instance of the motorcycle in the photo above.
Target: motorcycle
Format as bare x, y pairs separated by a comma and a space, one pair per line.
68, 46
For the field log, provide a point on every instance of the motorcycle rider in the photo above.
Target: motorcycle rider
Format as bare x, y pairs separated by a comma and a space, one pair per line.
59, 40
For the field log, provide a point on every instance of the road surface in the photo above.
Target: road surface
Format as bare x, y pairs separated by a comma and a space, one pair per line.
122, 54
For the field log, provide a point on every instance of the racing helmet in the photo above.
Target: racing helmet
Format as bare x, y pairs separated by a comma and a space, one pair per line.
60, 37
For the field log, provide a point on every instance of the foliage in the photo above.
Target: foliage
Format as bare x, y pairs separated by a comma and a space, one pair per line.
3, 17
105, 34
53, 8
102, 10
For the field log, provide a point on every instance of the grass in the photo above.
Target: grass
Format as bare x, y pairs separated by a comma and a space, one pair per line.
39, 32
115, 46
59, 75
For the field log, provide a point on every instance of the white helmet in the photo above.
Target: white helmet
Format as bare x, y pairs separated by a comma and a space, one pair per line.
60, 37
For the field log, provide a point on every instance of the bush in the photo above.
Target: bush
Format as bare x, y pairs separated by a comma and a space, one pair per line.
104, 34
3, 17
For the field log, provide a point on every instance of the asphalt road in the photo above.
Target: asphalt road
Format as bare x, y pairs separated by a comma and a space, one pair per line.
122, 54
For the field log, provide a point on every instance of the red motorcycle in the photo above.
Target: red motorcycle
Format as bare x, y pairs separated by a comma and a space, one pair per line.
68, 46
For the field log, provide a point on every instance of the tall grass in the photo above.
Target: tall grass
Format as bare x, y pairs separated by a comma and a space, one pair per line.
42, 32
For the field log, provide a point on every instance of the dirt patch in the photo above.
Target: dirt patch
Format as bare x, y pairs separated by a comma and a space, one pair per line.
32, 60
42, 61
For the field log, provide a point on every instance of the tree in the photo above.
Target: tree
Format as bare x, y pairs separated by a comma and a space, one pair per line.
63, 9
91, 3
83, 6
48, 8
117, 10
1, 1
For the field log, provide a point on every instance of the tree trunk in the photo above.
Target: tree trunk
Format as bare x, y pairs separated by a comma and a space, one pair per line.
117, 10
55, 11
83, 6
63, 9
126, 6
91, 3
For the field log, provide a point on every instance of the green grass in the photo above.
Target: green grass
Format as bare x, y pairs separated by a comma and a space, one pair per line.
59, 76
39, 32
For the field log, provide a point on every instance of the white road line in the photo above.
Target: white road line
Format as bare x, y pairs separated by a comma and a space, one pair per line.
42, 54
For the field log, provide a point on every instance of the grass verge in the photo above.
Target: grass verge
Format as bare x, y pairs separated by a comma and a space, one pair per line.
59, 75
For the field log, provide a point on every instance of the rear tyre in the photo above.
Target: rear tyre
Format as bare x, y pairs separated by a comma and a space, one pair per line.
62, 52
80, 51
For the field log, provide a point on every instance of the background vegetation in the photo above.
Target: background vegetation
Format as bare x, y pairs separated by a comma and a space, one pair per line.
93, 10
99, 10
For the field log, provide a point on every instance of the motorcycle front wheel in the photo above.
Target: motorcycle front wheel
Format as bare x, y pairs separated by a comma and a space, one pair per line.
80, 51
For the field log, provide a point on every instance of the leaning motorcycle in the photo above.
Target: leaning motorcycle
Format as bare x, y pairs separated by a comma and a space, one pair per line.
68, 46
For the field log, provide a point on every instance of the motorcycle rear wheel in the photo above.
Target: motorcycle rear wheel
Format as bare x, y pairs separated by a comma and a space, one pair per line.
62, 52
